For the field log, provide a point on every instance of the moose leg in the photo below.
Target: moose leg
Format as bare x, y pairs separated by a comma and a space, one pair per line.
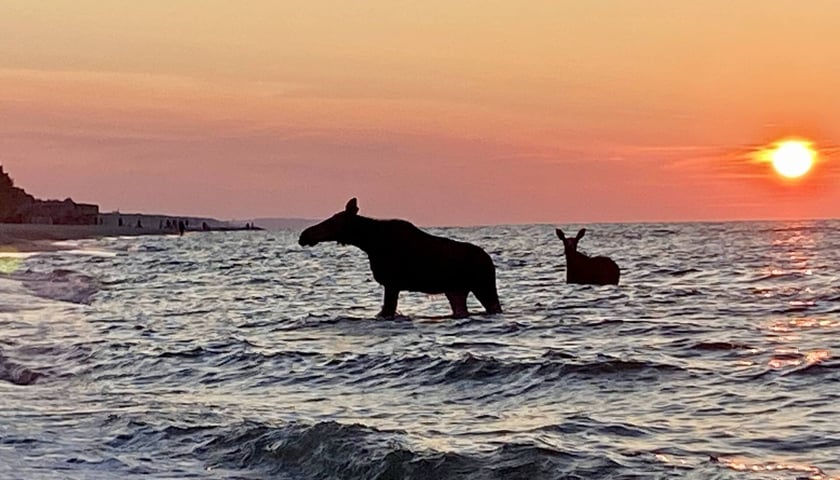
458, 302
489, 299
389, 305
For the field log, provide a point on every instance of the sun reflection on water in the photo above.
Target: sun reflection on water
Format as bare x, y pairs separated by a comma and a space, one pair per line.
794, 254
787, 333
746, 465
784, 359
797, 324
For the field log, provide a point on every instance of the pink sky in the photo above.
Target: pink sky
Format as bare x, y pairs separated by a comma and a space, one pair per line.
470, 113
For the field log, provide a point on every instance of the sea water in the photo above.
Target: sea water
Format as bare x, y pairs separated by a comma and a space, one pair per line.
244, 355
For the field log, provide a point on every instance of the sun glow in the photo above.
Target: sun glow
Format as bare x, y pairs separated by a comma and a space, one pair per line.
793, 158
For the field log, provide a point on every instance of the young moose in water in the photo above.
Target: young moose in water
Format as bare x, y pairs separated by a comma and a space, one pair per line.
587, 270
403, 257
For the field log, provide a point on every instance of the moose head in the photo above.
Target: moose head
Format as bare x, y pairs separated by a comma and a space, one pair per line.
334, 229
570, 244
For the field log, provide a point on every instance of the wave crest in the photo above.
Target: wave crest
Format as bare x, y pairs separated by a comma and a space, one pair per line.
60, 284
16, 373
340, 451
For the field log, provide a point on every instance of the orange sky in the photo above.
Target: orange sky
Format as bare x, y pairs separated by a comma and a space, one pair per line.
468, 112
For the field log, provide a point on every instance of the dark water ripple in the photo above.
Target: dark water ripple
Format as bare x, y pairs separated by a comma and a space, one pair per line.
246, 356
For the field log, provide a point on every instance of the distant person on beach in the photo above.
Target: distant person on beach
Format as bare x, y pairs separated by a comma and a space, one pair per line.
120, 222
181, 227
139, 223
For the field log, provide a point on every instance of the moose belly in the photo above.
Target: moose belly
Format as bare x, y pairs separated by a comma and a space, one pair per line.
418, 276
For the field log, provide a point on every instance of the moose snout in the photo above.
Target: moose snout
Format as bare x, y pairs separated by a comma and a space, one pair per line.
306, 239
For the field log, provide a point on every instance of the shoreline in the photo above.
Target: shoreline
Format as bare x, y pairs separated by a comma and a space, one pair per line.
26, 237
31, 237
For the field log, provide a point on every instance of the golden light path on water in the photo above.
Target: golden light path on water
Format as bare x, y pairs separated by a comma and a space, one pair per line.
796, 248
747, 465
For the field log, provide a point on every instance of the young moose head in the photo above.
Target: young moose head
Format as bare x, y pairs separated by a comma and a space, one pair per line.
570, 244
333, 229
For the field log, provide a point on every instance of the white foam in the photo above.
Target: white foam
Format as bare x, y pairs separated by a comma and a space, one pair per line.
91, 252
67, 243
80, 247
20, 255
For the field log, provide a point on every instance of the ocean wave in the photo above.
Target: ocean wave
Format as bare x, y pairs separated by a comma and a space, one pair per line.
16, 373
817, 368
777, 276
331, 450
228, 362
799, 470
434, 370
719, 346
585, 424
59, 284
672, 272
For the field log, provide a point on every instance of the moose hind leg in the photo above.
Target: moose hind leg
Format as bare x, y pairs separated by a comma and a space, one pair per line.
389, 304
458, 302
489, 299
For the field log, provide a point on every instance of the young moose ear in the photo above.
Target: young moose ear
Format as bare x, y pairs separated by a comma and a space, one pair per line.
581, 233
352, 207
560, 234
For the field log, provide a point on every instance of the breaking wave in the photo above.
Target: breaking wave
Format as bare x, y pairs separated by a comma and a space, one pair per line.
59, 284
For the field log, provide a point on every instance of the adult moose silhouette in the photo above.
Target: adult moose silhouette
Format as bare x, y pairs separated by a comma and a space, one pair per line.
403, 257
583, 269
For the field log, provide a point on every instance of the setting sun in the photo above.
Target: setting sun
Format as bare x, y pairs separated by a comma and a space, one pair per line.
793, 158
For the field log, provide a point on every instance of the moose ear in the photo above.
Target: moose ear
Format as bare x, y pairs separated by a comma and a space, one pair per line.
581, 233
560, 234
352, 207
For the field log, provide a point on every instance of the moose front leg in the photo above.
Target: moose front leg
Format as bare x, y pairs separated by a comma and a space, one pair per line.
458, 302
389, 305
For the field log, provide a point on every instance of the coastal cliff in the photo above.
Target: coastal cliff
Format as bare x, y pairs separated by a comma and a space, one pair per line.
17, 206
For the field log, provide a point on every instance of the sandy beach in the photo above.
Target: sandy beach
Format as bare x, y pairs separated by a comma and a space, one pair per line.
31, 237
